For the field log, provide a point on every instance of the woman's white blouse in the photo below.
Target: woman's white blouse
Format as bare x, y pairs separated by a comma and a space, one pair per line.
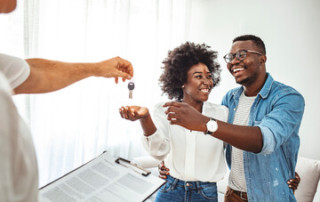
190, 155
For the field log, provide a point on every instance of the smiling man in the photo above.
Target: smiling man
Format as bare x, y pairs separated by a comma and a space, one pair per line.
262, 129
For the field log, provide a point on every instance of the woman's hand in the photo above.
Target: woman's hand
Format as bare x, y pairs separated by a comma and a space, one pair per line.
133, 112
163, 170
294, 183
142, 113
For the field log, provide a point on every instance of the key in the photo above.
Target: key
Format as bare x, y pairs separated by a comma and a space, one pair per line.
130, 87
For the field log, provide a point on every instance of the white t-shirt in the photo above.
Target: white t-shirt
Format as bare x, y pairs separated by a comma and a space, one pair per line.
18, 166
190, 155
16, 70
237, 179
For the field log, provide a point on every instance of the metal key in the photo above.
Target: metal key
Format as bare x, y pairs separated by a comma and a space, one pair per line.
130, 87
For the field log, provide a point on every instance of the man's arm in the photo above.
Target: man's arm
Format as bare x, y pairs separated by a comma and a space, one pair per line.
49, 75
243, 137
248, 138
273, 129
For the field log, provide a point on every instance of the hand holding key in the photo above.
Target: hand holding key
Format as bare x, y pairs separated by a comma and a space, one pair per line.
130, 87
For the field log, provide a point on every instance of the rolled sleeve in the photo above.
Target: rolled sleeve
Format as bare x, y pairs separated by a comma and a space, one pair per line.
268, 140
15, 69
282, 122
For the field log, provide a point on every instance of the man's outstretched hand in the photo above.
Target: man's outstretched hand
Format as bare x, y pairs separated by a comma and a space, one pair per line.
116, 67
185, 115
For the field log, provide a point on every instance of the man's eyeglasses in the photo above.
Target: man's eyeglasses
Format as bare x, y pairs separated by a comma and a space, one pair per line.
240, 55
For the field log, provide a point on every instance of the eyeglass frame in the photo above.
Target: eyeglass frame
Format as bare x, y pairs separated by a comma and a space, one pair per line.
237, 55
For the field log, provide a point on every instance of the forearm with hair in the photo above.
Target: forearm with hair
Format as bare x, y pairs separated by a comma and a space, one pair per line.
49, 75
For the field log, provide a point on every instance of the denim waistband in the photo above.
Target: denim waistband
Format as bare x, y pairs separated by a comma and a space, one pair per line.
189, 184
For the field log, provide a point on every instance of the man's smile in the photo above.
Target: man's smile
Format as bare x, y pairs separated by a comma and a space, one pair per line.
237, 70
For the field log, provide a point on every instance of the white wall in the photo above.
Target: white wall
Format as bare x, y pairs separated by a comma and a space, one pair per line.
291, 32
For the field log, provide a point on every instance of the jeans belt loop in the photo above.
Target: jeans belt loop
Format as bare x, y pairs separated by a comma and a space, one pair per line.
198, 186
174, 184
240, 193
243, 198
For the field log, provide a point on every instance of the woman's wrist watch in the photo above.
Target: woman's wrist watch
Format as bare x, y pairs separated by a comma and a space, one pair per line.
212, 126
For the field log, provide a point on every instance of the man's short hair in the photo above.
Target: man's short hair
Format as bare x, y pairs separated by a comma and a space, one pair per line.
256, 40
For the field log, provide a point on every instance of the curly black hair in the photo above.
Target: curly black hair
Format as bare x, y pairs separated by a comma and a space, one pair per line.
178, 63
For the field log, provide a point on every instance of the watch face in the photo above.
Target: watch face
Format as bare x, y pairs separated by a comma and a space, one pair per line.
212, 126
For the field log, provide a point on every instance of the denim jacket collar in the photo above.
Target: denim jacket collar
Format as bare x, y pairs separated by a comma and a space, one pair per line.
264, 92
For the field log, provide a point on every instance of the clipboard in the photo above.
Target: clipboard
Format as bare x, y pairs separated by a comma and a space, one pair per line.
103, 178
135, 167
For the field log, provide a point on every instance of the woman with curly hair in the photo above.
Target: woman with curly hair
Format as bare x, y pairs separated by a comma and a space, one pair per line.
195, 160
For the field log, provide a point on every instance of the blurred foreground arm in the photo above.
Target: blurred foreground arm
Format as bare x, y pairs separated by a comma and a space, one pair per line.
49, 75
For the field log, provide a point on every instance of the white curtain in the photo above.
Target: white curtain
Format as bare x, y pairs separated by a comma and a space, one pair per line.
73, 125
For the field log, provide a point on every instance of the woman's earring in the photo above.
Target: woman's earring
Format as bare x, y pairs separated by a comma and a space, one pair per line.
182, 86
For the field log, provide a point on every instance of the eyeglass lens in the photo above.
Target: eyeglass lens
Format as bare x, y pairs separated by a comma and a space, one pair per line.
240, 55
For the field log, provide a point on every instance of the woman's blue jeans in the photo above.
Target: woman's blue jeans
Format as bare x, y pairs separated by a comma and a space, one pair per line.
184, 191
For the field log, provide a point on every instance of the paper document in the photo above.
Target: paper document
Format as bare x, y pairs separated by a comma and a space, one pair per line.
104, 178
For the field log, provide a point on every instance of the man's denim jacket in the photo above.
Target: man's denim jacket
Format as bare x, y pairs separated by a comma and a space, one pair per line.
277, 111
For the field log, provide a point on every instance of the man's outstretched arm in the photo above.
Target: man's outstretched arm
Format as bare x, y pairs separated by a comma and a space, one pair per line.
243, 137
49, 75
